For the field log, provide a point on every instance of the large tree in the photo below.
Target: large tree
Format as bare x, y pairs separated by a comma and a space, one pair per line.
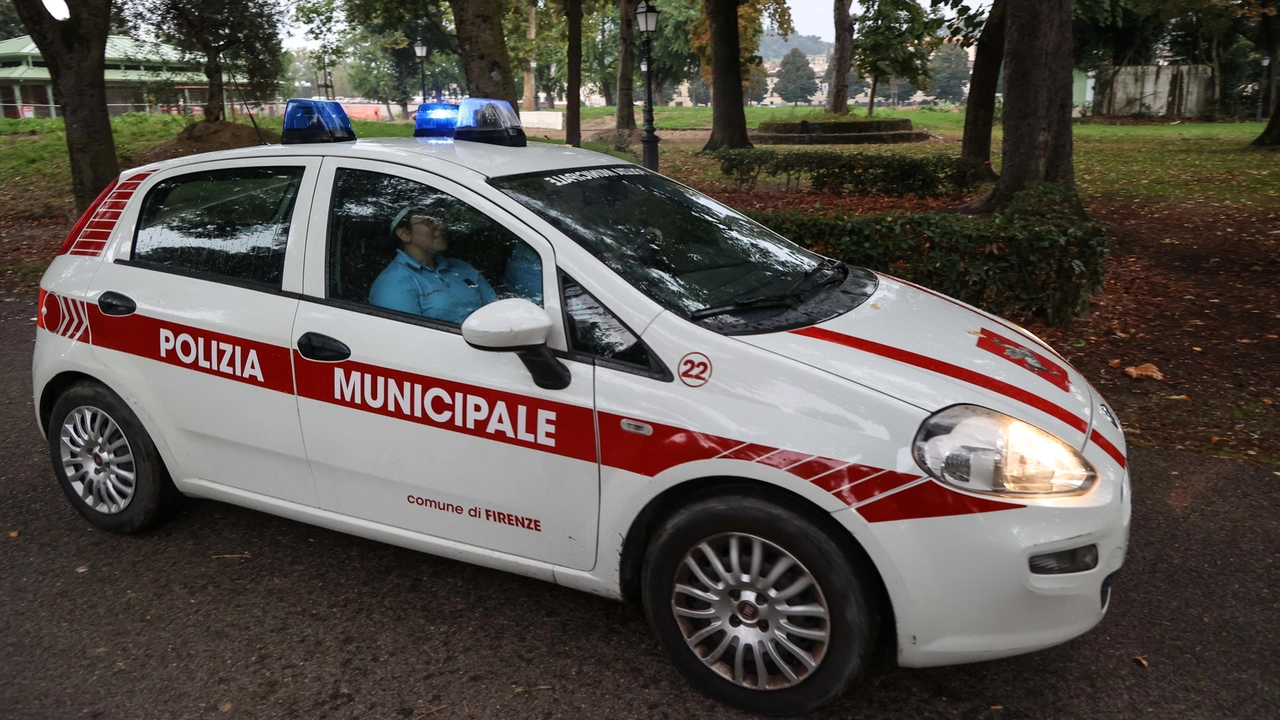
795, 78
573, 95
74, 50
728, 119
838, 67
625, 115
728, 47
10, 23
894, 39
1269, 43
949, 72
980, 110
484, 49
242, 36
1037, 100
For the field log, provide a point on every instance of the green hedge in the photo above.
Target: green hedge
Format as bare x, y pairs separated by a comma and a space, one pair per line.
1041, 257
835, 127
830, 171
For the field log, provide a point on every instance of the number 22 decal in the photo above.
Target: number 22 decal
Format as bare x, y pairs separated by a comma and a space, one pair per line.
695, 369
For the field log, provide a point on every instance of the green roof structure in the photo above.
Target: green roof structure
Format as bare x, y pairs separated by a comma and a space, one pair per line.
139, 75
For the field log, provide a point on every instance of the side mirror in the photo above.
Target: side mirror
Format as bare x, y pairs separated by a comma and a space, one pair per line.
517, 325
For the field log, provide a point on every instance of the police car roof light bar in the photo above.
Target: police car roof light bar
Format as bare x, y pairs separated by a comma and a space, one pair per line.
435, 120
315, 121
489, 121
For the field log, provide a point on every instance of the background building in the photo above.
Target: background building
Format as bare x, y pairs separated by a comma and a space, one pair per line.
140, 77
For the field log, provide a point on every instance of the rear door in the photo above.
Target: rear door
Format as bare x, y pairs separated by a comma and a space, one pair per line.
194, 311
407, 425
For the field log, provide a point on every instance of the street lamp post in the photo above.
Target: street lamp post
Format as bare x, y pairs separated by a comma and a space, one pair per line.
1262, 86
647, 22
420, 50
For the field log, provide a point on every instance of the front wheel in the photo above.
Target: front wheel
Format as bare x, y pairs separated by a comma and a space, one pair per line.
756, 605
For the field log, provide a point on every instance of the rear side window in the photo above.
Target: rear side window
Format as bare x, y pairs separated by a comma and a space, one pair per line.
232, 224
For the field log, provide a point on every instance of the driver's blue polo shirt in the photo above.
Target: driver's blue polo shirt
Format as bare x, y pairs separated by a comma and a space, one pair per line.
450, 292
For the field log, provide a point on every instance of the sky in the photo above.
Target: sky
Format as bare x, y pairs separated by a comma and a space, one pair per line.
814, 17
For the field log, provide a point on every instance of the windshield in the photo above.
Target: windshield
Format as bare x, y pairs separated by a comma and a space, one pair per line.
688, 252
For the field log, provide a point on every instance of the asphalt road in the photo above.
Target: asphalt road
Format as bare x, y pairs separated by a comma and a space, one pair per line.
224, 612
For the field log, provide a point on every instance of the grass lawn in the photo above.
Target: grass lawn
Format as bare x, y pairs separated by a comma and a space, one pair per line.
1199, 162
685, 118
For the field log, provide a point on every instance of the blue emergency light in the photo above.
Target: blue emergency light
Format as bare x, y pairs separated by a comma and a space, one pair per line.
315, 121
435, 120
489, 121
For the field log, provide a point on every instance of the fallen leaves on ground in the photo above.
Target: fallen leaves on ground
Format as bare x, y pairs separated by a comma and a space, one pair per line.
1145, 371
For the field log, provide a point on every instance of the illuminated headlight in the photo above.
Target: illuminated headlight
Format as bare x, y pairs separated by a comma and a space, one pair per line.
985, 451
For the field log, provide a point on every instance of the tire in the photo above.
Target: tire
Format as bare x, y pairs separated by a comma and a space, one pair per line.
106, 463
838, 646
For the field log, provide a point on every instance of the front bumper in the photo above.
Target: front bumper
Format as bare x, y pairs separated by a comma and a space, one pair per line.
961, 586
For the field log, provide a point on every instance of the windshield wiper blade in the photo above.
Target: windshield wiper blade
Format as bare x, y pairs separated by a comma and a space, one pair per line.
827, 265
784, 299
753, 304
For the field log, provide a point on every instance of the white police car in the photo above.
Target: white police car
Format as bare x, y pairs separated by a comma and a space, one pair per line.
650, 396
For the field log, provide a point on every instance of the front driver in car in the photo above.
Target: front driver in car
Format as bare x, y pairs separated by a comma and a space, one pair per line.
421, 280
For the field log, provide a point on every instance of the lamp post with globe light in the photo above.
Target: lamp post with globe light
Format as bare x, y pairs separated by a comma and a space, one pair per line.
1262, 86
646, 23
420, 49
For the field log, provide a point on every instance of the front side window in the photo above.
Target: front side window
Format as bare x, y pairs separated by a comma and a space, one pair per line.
232, 224
688, 252
400, 245
595, 331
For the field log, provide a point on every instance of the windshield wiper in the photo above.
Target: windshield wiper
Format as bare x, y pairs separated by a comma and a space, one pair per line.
830, 265
753, 304
788, 298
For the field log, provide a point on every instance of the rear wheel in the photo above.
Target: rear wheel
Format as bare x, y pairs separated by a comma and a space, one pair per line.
756, 605
105, 461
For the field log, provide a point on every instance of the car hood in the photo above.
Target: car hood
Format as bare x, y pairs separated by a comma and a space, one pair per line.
932, 351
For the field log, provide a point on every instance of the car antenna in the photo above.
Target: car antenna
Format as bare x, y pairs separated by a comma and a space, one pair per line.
247, 111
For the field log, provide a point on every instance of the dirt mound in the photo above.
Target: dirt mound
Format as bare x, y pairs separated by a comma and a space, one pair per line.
203, 137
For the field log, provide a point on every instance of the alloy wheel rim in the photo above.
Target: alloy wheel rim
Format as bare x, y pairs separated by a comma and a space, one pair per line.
751, 612
97, 460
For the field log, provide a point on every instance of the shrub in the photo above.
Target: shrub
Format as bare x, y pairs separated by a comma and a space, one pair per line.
1040, 257
859, 173
835, 127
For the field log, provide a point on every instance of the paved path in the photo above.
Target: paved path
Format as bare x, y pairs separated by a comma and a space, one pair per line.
311, 624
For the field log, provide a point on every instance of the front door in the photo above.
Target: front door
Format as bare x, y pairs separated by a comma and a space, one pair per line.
407, 425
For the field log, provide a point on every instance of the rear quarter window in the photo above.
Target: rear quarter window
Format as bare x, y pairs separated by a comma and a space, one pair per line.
230, 224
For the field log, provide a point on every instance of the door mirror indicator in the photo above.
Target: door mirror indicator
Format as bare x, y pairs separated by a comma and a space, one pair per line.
517, 325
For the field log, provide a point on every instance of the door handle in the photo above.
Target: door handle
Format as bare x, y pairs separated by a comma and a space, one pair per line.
315, 346
113, 303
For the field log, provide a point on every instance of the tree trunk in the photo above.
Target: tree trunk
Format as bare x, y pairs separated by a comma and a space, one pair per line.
1037, 107
483, 49
607, 91
74, 51
530, 101
214, 110
573, 99
404, 110
1270, 136
838, 90
1216, 63
728, 117
871, 103
981, 107
625, 116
